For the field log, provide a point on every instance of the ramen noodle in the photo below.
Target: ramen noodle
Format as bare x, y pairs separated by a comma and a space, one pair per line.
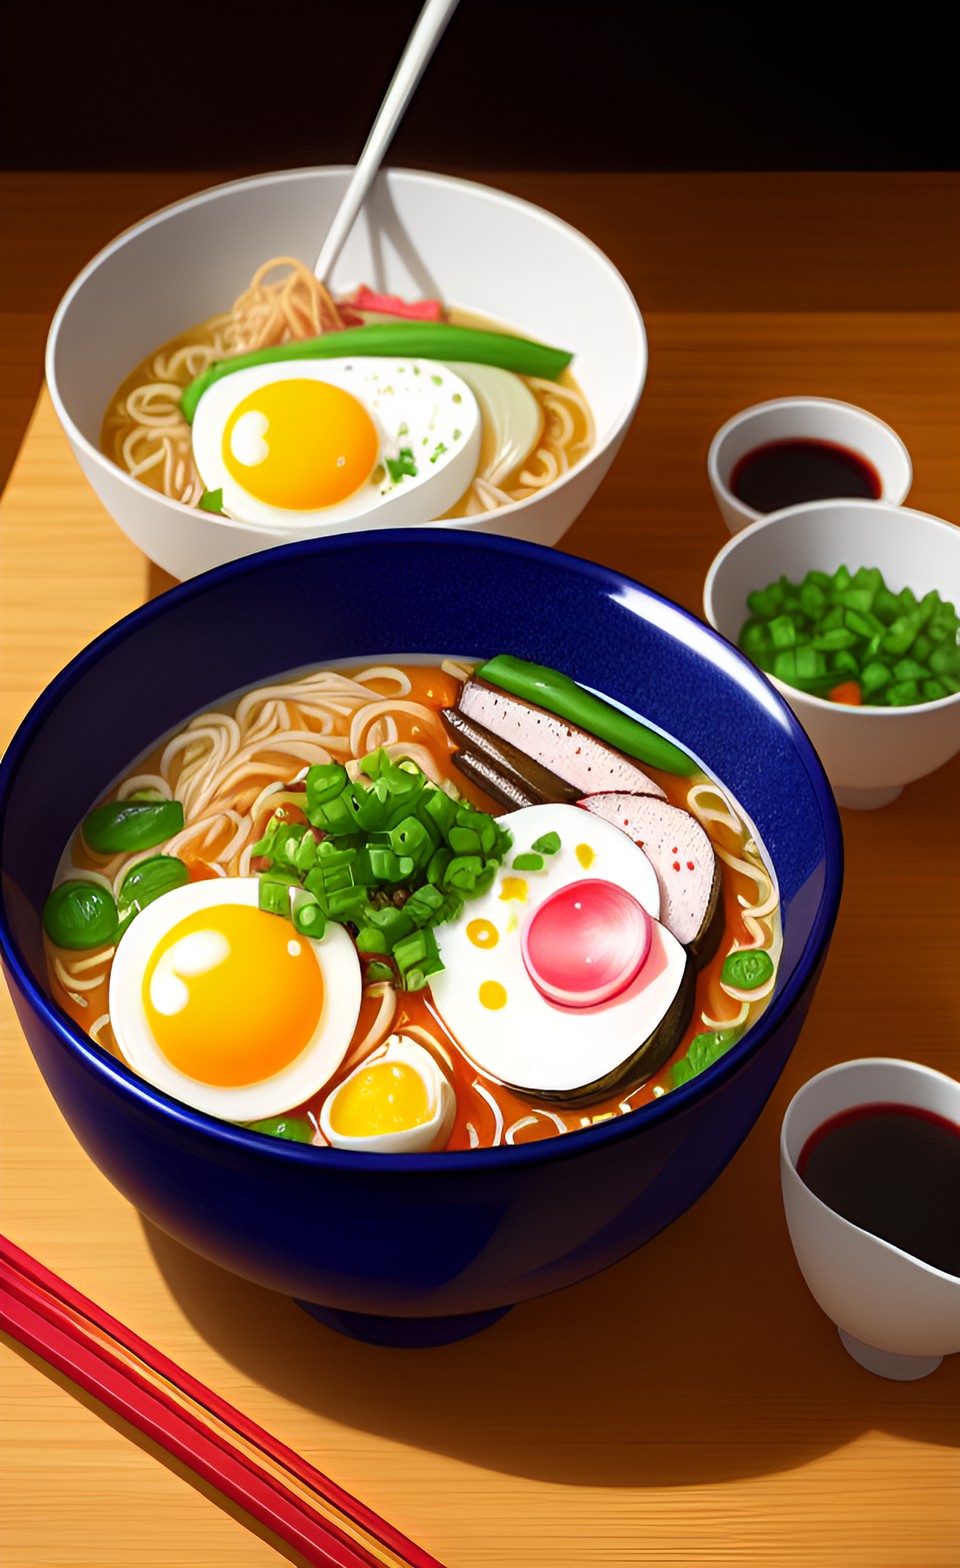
376, 908
532, 429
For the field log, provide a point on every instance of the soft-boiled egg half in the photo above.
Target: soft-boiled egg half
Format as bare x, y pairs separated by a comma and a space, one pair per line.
228, 1008
560, 976
329, 440
397, 1101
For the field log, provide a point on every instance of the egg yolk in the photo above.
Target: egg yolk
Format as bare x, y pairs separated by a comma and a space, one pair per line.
232, 995
300, 444
492, 995
482, 933
384, 1097
514, 887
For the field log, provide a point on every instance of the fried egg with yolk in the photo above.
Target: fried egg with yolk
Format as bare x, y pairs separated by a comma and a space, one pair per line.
327, 440
229, 1008
554, 978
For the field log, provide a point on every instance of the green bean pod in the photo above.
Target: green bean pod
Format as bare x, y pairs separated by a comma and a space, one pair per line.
124, 827
398, 339
80, 915
562, 696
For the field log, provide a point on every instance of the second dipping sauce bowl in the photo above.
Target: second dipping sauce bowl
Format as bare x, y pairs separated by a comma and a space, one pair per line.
804, 419
897, 1315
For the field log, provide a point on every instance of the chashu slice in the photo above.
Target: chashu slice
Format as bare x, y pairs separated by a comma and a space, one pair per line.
683, 857
575, 756
507, 774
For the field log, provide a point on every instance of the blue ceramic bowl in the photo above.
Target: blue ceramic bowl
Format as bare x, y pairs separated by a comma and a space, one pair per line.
412, 1249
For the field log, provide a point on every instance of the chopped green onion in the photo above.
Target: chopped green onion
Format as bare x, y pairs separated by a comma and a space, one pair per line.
297, 1129
126, 826
747, 969
829, 631
79, 915
399, 467
149, 880
390, 854
704, 1050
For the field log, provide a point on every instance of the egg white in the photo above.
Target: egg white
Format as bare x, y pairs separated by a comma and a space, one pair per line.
411, 403
432, 1133
532, 1043
301, 1078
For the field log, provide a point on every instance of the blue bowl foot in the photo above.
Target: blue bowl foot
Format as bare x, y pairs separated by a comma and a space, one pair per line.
403, 1333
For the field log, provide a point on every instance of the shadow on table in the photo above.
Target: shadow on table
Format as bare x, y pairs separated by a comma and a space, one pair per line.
699, 1359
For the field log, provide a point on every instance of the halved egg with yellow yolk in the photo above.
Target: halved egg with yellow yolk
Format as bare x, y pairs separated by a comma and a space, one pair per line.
229, 1008
327, 440
397, 1101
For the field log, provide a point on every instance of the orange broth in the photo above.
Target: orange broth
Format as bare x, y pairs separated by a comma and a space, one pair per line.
164, 447
525, 1119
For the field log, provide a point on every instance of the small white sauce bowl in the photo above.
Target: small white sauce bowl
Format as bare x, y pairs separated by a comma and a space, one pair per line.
807, 419
869, 753
897, 1316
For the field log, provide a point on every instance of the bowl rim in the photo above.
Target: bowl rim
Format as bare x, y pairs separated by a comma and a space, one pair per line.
122, 1081
796, 400
793, 1184
210, 520
786, 515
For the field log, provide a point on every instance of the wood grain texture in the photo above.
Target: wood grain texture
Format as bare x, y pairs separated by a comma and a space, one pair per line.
690, 1406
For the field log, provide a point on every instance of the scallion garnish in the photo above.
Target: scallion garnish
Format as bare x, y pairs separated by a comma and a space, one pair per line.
394, 857
848, 638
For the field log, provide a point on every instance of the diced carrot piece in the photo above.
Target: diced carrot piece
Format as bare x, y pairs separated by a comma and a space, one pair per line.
200, 871
847, 692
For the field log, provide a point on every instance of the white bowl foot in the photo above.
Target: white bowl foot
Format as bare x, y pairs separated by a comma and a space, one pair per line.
885, 1363
866, 799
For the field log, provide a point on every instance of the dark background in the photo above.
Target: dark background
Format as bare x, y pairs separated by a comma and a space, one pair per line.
533, 84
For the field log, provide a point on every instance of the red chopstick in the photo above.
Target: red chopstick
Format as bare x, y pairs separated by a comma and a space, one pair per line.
298, 1503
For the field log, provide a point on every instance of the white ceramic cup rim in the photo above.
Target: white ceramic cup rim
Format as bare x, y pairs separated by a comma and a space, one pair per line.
863, 1067
761, 411
857, 1067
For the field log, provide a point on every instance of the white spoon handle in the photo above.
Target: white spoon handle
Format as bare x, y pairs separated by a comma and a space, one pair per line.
420, 46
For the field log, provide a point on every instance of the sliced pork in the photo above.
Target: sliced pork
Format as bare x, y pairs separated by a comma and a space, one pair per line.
682, 856
577, 758
499, 768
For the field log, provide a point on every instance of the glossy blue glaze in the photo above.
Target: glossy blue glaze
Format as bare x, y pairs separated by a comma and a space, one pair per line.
428, 1237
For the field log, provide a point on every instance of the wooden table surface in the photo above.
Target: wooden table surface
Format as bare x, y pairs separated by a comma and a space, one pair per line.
690, 1406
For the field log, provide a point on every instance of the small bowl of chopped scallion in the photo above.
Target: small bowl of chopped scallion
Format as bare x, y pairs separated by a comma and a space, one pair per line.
851, 608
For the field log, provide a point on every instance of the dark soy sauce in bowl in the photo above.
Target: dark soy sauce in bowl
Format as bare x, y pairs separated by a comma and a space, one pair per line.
892, 1170
786, 473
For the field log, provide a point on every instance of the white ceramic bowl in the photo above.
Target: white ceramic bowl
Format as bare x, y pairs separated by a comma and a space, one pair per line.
869, 753
812, 419
418, 235
897, 1316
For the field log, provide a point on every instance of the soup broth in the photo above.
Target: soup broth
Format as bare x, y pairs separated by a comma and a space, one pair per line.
240, 768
